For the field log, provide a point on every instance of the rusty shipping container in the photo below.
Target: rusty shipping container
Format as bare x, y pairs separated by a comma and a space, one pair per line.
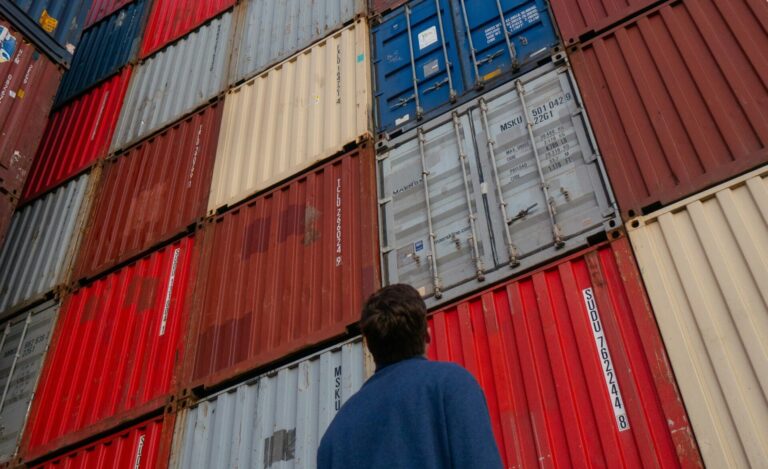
102, 8
23, 344
115, 352
705, 264
378, 7
172, 19
286, 270
678, 98
29, 82
583, 19
7, 206
572, 366
145, 445
151, 193
77, 135
295, 115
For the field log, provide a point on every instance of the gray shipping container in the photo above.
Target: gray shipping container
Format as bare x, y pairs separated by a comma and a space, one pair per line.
41, 242
175, 81
275, 420
23, 343
269, 31
466, 199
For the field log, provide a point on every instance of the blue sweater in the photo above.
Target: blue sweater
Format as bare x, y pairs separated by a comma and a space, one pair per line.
412, 414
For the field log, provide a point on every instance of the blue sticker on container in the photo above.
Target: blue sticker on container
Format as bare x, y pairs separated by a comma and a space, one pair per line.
418, 246
360, 58
7, 44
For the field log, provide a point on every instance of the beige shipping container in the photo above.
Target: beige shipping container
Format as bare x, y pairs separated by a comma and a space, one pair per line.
704, 261
298, 113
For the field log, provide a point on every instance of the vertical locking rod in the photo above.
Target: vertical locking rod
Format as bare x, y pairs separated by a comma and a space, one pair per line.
425, 182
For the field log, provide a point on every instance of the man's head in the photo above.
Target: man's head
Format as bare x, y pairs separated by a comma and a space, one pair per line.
394, 324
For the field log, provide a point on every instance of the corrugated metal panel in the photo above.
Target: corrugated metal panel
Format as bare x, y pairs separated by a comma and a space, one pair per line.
382, 6
22, 349
41, 243
62, 20
705, 264
102, 8
287, 270
105, 48
272, 30
115, 352
151, 193
77, 135
275, 420
29, 82
580, 19
294, 115
142, 446
7, 205
175, 81
678, 98
431, 55
572, 365
171, 19
529, 207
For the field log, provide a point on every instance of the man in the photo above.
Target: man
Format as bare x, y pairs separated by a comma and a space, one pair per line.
412, 413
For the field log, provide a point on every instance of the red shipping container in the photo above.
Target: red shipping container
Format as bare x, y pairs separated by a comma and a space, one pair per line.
172, 19
383, 6
286, 270
572, 365
77, 135
102, 8
29, 81
115, 352
678, 98
146, 445
7, 205
581, 19
151, 193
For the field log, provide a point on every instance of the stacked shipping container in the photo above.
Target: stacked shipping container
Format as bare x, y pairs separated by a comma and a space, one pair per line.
204, 207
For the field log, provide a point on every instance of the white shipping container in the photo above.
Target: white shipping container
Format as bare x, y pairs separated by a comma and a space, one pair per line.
275, 420
23, 343
175, 81
42, 241
704, 262
296, 114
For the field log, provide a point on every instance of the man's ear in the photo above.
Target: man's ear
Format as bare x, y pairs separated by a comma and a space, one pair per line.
429, 335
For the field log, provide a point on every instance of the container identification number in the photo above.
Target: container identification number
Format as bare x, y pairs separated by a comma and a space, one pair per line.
171, 278
617, 402
139, 449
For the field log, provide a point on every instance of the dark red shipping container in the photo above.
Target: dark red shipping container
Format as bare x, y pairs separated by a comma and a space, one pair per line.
580, 19
382, 6
29, 81
286, 270
678, 98
7, 205
572, 365
115, 352
151, 193
103, 8
146, 445
172, 19
77, 135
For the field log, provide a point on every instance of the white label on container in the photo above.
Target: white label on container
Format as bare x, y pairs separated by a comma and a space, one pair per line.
194, 156
611, 381
169, 290
338, 222
427, 37
402, 120
139, 449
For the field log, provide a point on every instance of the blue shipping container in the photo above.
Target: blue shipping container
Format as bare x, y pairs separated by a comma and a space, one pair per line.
106, 47
430, 55
59, 20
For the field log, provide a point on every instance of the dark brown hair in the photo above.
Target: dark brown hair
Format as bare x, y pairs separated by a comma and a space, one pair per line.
394, 324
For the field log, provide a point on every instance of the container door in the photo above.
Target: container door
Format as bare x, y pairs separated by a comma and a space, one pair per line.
488, 50
535, 149
429, 184
416, 63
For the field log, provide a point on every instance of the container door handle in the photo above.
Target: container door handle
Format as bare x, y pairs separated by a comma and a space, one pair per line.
414, 80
